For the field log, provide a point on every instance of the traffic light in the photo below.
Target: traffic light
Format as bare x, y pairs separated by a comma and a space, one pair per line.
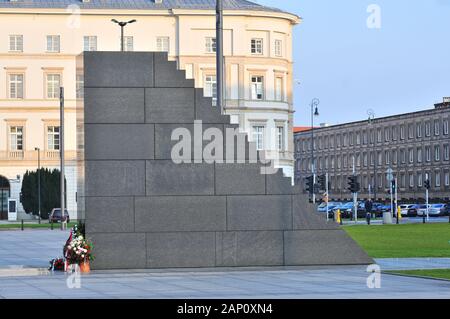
427, 184
322, 181
309, 184
353, 185
393, 186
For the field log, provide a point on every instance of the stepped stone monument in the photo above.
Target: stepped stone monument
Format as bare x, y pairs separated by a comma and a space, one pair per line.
143, 210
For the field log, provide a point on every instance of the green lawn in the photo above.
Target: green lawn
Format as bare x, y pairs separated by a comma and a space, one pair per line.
44, 225
434, 273
400, 241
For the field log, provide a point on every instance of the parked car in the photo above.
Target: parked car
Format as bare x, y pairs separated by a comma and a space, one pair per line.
413, 210
55, 215
323, 206
439, 210
404, 209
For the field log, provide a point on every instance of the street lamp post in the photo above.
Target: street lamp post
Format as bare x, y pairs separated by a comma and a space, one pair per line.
39, 181
314, 112
219, 56
375, 159
122, 24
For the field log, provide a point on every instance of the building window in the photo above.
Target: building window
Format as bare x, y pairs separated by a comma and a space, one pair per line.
403, 156
437, 179
380, 158
411, 156
257, 87
419, 155
128, 43
162, 44
279, 89
446, 152
53, 43
16, 86
445, 127
53, 85
402, 132
419, 130
395, 157
411, 131
53, 138
436, 127
394, 133
428, 153
257, 46
387, 157
379, 135
278, 48
258, 137
386, 134
402, 180
210, 45
447, 179
437, 155
16, 138
358, 138
80, 86
210, 89
411, 180
419, 179
427, 129
16, 43
90, 43
280, 138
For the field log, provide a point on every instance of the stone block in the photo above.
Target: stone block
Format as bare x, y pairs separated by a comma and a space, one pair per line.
322, 247
253, 248
169, 105
185, 249
180, 213
110, 214
239, 179
278, 184
164, 144
168, 76
305, 215
205, 111
115, 178
118, 251
119, 141
270, 212
117, 105
164, 177
118, 69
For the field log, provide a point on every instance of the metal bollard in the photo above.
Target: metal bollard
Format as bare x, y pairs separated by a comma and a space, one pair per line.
51, 227
21, 225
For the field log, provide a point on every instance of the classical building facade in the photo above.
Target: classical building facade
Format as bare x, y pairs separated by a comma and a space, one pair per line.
40, 39
414, 145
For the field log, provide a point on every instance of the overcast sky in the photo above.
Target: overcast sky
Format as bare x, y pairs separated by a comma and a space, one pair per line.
402, 66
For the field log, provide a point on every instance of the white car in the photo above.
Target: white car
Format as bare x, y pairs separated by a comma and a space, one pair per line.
422, 210
404, 209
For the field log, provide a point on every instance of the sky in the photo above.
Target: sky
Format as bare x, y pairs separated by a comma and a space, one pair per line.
399, 65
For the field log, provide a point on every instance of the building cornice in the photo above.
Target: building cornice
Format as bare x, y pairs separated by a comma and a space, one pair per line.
292, 18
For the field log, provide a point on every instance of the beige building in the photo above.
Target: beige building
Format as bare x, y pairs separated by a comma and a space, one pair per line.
39, 40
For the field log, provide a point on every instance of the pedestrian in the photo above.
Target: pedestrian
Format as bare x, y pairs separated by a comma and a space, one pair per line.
368, 206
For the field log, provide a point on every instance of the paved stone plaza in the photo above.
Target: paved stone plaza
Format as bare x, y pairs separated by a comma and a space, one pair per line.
33, 248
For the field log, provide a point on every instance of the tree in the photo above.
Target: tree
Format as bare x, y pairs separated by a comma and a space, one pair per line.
50, 192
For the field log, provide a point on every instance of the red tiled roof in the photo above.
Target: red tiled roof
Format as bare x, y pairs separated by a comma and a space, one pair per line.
298, 129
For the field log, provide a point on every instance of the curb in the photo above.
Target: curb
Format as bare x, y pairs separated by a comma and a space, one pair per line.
23, 272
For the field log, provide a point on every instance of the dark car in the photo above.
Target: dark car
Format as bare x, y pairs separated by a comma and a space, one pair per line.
55, 215
414, 210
